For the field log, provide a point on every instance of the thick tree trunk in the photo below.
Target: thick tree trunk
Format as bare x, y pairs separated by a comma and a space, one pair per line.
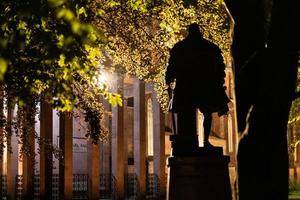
265, 83
263, 156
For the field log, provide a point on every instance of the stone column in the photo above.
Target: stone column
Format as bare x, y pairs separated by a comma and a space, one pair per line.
1, 165
94, 170
28, 157
2, 138
46, 161
159, 145
235, 132
106, 145
139, 136
66, 162
126, 135
12, 157
297, 172
117, 143
222, 127
9, 171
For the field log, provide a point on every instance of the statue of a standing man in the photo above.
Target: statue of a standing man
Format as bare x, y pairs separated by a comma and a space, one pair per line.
197, 66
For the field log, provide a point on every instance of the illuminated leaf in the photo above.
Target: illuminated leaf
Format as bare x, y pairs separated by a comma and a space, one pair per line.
60, 42
76, 27
22, 25
66, 14
44, 24
61, 61
3, 68
56, 3
82, 11
114, 3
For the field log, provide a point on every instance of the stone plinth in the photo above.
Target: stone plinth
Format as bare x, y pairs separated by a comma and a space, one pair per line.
199, 177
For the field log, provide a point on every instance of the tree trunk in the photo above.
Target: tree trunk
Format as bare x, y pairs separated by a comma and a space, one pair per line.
265, 84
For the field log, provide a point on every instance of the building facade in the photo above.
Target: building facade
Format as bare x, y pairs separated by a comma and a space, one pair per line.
130, 164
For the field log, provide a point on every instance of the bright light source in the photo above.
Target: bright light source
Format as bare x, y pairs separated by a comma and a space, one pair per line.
102, 78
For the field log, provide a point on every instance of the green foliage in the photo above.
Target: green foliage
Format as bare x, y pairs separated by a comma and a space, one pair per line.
3, 68
141, 33
54, 48
47, 47
44, 44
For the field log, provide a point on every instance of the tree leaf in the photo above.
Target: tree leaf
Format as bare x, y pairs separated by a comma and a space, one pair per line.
3, 67
56, 3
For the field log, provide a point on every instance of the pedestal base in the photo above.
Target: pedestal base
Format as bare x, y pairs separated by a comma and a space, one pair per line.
187, 145
199, 178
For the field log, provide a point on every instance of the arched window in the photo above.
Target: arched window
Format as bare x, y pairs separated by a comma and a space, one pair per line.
149, 127
200, 129
230, 134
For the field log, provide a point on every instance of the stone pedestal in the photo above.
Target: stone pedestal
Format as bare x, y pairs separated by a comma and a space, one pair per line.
204, 177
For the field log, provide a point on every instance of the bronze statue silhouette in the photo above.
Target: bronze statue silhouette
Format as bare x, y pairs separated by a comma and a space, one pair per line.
197, 66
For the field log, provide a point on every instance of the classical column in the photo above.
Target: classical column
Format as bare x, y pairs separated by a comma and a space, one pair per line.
1, 165
159, 145
235, 132
66, 161
94, 170
13, 156
106, 145
139, 136
46, 161
126, 135
9, 171
222, 127
28, 157
2, 139
117, 143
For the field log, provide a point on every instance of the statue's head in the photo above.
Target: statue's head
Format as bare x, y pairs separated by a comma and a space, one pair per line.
194, 30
